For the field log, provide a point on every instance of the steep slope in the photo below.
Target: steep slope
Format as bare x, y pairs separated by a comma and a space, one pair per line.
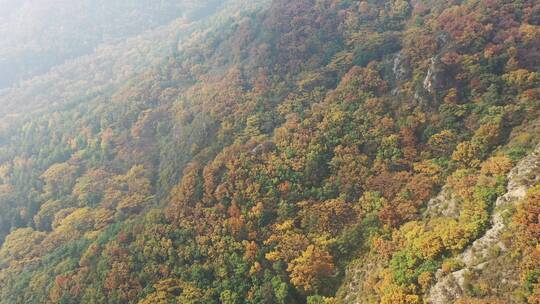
279, 153
107, 67
488, 269
449, 287
86, 85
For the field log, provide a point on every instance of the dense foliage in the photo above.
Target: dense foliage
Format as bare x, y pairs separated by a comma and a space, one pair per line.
269, 150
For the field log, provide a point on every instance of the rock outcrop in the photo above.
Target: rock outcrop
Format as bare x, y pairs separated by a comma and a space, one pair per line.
451, 286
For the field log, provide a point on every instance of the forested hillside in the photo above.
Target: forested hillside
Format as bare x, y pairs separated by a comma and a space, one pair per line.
284, 151
36, 35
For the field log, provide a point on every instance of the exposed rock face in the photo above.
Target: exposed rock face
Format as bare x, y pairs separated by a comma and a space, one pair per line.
439, 76
398, 68
428, 81
444, 204
399, 71
353, 290
475, 258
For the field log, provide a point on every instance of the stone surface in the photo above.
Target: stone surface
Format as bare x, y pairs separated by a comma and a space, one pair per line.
450, 287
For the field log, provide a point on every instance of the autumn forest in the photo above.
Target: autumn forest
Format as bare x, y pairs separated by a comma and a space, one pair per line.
270, 151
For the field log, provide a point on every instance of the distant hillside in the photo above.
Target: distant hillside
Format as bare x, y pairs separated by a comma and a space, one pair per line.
37, 35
